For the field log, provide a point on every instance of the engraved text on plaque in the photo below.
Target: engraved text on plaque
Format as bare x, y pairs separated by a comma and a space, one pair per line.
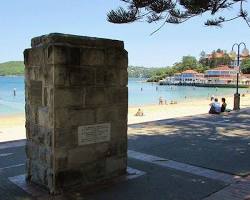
92, 134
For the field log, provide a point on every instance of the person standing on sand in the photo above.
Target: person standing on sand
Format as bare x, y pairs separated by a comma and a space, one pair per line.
14, 92
160, 101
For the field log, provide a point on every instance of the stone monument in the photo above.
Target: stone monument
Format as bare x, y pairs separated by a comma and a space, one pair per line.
76, 110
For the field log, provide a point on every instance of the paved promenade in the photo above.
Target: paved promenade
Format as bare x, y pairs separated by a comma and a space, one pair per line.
204, 157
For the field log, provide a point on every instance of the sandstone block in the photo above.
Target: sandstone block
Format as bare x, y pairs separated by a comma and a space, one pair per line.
35, 92
65, 98
65, 137
116, 57
92, 57
117, 96
43, 116
63, 55
116, 164
34, 57
95, 96
81, 76
111, 113
76, 155
74, 117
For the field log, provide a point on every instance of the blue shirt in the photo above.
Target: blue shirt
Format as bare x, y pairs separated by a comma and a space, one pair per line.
217, 107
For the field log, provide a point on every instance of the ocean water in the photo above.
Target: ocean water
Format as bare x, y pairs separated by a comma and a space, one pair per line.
140, 93
10, 104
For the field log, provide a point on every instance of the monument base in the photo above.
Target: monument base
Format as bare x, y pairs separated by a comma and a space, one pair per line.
38, 192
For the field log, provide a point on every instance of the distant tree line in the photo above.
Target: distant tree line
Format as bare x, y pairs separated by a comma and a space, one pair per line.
205, 62
245, 66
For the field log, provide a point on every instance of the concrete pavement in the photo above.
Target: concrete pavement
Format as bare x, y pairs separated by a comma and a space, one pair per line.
190, 158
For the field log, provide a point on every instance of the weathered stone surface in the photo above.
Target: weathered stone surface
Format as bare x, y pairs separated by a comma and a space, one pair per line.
116, 57
34, 57
59, 54
75, 40
92, 57
43, 116
111, 113
65, 118
114, 164
76, 110
65, 98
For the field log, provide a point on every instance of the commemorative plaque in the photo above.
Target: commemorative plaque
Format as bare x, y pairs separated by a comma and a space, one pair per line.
92, 134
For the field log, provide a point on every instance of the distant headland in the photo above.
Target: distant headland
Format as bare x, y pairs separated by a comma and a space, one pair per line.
12, 68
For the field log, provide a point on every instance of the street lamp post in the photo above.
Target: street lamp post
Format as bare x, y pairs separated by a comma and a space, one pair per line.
237, 95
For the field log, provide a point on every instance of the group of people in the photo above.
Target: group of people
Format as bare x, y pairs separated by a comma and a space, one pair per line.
164, 101
216, 107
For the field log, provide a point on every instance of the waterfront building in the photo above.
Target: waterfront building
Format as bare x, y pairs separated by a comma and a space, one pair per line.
221, 75
186, 77
191, 76
225, 75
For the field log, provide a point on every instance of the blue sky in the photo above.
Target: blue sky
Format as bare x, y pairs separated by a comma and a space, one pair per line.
22, 20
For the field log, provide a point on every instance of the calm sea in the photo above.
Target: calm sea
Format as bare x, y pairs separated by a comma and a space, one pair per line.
140, 93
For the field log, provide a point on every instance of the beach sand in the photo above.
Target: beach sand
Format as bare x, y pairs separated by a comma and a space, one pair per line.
181, 109
13, 127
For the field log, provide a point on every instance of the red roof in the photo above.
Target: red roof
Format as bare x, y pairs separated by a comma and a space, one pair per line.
189, 71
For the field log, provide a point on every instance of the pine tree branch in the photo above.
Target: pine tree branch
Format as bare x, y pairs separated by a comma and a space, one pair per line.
176, 11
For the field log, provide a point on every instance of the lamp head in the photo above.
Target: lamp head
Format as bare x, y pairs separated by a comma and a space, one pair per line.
245, 52
232, 54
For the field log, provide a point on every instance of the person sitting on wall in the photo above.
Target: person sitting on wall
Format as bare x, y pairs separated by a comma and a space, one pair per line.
139, 112
215, 107
223, 105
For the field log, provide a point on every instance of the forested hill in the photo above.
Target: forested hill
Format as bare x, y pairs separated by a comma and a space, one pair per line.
17, 68
144, 72
12, 68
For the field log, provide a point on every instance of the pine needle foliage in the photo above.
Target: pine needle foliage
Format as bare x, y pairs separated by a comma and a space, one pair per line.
177, 11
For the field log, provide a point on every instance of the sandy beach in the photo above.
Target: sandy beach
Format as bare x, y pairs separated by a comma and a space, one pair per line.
12, 127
